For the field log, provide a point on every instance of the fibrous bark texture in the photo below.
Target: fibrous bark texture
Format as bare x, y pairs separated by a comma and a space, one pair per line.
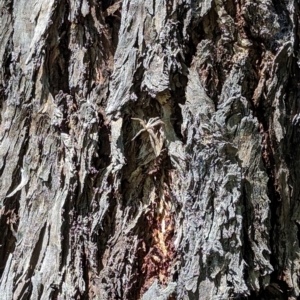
149, 149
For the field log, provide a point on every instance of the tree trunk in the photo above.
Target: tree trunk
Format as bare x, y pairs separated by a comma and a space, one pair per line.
149, 149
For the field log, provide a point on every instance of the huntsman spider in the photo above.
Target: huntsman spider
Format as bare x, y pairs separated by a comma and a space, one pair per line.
149, 127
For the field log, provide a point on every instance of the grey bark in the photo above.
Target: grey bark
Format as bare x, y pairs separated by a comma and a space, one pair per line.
149, 149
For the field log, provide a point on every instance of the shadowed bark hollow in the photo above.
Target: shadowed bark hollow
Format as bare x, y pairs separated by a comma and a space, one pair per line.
149, 149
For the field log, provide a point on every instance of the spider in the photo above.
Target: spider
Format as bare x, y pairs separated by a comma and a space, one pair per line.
149, 127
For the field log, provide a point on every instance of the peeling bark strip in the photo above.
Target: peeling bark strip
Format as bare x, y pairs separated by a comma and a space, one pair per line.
149, 149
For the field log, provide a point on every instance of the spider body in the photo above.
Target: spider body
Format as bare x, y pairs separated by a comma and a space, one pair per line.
150, 128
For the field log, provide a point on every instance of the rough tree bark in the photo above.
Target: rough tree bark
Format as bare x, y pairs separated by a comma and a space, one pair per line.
149, 149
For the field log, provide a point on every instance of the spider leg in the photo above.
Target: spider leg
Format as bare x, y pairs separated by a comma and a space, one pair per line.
142, 130
151, 133
152, 120
153, 144
158, 122
154, 140
140, 121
